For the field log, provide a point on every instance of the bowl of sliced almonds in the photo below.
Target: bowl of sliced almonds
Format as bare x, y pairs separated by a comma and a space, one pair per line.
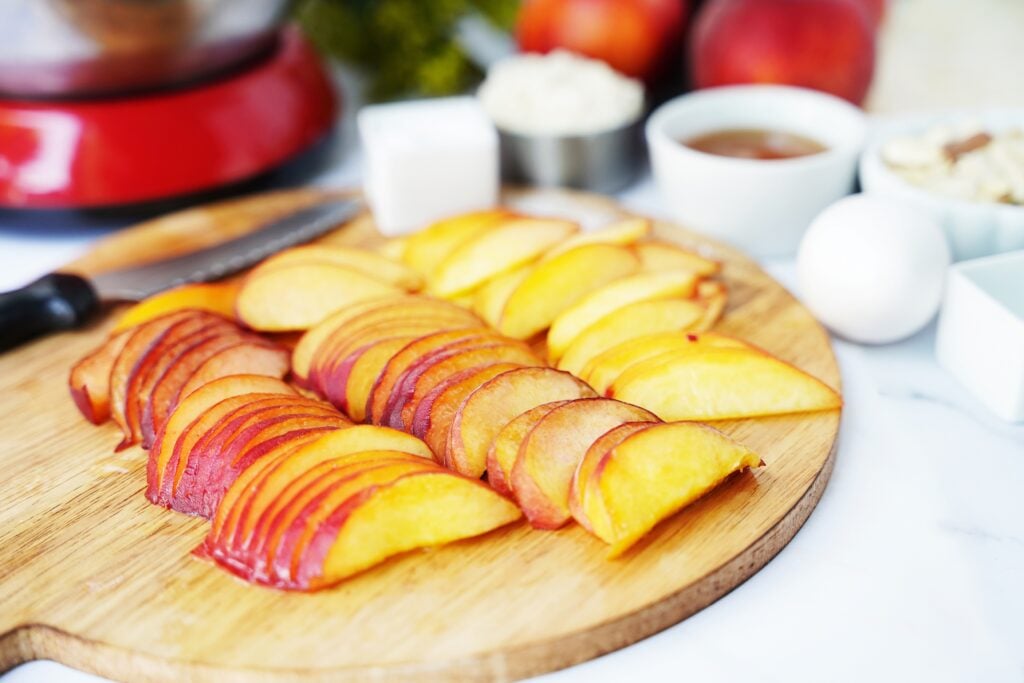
964, 168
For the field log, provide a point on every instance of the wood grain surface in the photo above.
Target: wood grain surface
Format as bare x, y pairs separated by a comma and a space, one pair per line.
95, 577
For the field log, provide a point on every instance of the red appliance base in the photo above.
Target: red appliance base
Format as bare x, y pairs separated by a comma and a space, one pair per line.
116, 151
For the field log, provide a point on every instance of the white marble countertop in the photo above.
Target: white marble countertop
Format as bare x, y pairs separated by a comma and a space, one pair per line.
911, 567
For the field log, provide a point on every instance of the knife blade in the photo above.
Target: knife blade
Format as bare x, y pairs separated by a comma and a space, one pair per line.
63, 301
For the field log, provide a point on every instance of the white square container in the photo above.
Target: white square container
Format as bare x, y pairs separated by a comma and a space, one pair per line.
426, 160
981, 331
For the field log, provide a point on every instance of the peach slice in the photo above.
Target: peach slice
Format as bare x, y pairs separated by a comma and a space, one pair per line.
489, 300
549, 454
623, 233
503, 451
713, 296
244, 357
433, 417
496, 251
629, 290
629, 322
656, 255
366, 367
425, 250
603, 369
720, 384
194, 406
431, 369
300, 296
591, 459
410, 354
89, 381
418, 510
493, 405
422, 380
217, 297
656, 472
263, 483
557, 284
366, 262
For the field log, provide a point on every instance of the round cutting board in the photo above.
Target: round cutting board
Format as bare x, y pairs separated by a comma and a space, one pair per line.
94, 576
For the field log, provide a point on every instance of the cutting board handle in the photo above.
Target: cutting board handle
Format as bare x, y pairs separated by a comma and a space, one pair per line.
55, 302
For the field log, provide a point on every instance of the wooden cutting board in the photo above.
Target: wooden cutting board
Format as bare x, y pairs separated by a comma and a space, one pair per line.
94, 576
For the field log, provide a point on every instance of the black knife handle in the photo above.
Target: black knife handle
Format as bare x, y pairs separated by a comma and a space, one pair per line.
59, 301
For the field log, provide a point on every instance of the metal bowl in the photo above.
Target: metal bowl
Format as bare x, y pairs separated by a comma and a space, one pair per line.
599, 162
76, 48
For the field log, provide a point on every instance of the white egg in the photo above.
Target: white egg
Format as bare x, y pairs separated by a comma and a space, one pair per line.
873, 269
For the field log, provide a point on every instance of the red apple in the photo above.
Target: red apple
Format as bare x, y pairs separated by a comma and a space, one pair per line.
827, 45
631, 36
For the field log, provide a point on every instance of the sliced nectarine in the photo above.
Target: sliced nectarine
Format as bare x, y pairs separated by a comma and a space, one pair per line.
89, 381
657, 471
503, 451
418, 510
656, 255
629, 322
490, 407
549, 454
629, 290
489, 300
559, 283
721, 383
713, 296
590, 460
425, 250
433, 417
244, 357
351, 384
217, 297
300, 296
623, 233
496, 251
366, 262
603, 369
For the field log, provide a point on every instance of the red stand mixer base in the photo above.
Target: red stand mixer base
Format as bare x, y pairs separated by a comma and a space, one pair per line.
116, 151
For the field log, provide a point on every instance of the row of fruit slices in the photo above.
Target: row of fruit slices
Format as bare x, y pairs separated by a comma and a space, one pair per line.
296, 491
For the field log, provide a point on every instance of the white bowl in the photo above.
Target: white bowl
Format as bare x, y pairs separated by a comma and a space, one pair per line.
761, 206
974, 229
980, 339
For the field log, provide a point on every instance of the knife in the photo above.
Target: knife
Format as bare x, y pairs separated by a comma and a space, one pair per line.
64, 301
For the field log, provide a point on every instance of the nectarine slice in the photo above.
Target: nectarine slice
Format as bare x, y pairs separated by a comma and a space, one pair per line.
549, 454
194, 406
493, 405
603, 369
720, 384
559, 283
89, 381
216, 297
421, 381
713, 296
363, 260
629, 322
300, 296
501, 456
656, 472
656, 255
489, 300
608, 299
425, 250
496, 251
433, 417
244, 357
623, 233
579, 487
418, 510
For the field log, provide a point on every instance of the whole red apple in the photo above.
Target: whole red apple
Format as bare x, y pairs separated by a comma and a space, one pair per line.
827, 45
634, 37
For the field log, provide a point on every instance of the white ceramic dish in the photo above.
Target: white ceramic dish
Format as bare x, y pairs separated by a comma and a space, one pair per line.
761, 206
974, 229
981, 331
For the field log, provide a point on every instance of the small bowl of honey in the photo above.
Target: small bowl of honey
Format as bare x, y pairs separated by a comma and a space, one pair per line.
753, 165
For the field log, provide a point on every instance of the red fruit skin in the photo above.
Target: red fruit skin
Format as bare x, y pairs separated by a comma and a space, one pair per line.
631, 36
827, 45
421, 418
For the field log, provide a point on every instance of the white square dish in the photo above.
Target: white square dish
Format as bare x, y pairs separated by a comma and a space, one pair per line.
981, 331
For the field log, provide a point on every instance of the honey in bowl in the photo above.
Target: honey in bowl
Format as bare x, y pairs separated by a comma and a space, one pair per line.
755, 144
